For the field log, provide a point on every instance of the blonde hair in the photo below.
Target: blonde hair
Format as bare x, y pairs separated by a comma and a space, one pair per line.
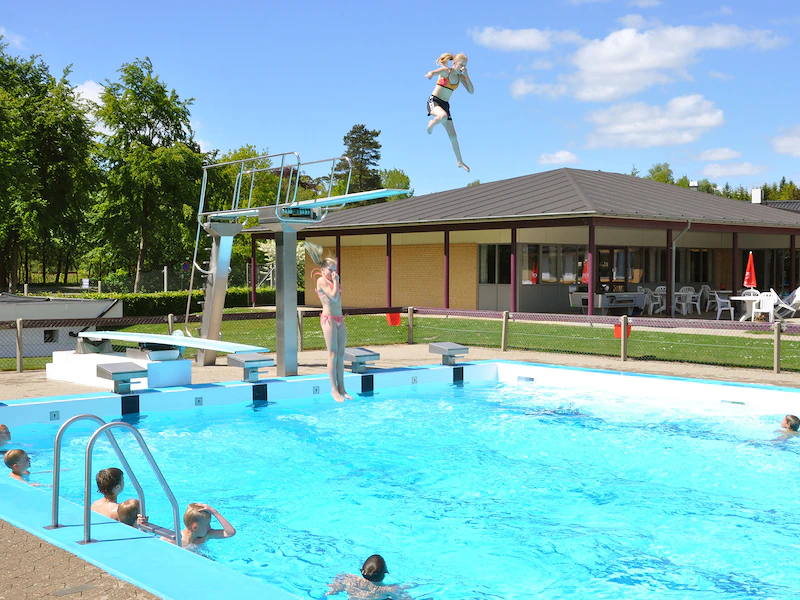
458, 56
444, 59
315, 253
193, 514
14, 457
127, 511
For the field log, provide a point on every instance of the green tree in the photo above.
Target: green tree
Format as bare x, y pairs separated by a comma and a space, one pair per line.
634, 171
153, 168
364, 150
661, 172
476, 182
396, 179
47, 165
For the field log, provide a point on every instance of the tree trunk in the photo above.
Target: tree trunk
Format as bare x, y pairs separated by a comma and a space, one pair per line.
137, 286
27, 264
58, 269
14, 263
4, 264
44, 266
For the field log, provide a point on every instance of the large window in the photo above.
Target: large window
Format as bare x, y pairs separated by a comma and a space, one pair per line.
549, 270
494, 263
572, 259
529, 263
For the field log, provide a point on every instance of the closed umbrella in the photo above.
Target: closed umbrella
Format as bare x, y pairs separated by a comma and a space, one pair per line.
750, 273
585, 274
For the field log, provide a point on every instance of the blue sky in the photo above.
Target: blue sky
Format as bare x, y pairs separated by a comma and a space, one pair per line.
709, 87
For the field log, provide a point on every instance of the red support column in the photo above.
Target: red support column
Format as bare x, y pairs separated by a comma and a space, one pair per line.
253, 274
592, 269
735, 264
792, 273
388, 269
447, 269
668, 310
513, 265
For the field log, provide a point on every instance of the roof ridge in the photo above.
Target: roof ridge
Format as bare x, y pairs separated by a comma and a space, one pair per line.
577, 188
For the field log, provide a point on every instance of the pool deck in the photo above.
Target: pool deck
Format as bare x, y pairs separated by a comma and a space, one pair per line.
32, 568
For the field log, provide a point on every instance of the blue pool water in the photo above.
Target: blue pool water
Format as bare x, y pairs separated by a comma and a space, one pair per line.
484, 491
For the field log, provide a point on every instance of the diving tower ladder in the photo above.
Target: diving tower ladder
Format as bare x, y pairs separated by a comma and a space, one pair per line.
285, 218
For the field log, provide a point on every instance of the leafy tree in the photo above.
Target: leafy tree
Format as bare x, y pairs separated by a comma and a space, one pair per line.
153, 168
661, 172
634, 171
396, 179
46, 165
476, 182
364, 150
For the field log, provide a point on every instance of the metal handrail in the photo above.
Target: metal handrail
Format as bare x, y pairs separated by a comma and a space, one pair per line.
87, 525
57, 464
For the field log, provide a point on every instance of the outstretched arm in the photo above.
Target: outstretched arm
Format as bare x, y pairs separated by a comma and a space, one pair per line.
227, 529
438, 71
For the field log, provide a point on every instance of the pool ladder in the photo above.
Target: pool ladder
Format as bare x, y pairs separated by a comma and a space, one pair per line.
105, 428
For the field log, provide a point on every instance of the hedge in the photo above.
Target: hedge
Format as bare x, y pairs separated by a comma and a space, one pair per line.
164, 303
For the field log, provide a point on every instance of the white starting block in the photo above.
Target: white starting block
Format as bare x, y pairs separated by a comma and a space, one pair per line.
121, 374
359, 357
448, 350
250, 364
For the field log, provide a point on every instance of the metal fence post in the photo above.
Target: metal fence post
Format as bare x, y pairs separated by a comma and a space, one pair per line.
504, 337
25, 288
99, 286
623, 338
19, 346
300, 314
166, 275
777, 347
410, 324
171, 322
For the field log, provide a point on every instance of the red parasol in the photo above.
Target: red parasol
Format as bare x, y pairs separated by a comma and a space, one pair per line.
585, 274
750, 273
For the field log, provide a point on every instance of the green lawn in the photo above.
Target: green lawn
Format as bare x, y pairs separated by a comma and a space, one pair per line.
744, 350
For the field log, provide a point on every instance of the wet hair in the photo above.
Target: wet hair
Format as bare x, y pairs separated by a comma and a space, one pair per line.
315, 253
374, 568
193, 514
107, 480
14, 457
444, 59
793, 422
128, 511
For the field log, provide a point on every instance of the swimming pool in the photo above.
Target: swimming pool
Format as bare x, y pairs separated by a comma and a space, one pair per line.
492, 489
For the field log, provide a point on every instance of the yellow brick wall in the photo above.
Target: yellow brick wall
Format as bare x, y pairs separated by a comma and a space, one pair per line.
417, 276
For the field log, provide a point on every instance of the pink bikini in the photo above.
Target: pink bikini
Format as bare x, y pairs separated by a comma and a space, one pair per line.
325, 319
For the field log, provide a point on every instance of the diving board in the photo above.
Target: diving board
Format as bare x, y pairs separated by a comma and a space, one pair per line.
174, 341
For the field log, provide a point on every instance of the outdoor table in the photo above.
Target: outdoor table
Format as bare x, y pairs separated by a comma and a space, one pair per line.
749, 303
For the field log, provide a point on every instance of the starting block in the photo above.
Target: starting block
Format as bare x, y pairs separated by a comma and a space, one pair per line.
448, 350
359, 357
121, 374
250, 364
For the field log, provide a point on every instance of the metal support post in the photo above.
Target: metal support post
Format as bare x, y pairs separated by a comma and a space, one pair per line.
286, 301
504, 337
19, 346
171, 322
300, 313
410, 324
777, 347
166, 274
623, 338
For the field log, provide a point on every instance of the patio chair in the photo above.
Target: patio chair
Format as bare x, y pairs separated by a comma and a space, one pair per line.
687, 298
722, 304
749, 292
651, 302
785, 309
765, 305
705, 295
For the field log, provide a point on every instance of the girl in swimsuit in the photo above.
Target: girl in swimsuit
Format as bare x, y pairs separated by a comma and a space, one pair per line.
331, 320
439, 102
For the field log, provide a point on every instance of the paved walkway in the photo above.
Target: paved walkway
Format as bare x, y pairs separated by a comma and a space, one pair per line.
32, 568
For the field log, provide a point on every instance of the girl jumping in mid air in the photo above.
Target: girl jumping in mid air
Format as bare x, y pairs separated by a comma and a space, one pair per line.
331, 320
439, 102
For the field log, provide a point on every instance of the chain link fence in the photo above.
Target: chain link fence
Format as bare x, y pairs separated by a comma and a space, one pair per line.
746, 344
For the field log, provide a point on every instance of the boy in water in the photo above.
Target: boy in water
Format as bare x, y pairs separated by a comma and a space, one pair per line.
790, 423
18, 461
197, 519
370, 585
128, 513
5, 437
110, 483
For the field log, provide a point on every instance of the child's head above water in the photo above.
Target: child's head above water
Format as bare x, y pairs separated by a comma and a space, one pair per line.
128, 511
17, 458
197, 519
5, 435
374, 568
791, 422
108, 480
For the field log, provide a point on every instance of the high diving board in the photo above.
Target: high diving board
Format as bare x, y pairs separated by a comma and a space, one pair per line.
301, 211
176, 341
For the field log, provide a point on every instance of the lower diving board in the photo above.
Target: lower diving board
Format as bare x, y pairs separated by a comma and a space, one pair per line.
88, 342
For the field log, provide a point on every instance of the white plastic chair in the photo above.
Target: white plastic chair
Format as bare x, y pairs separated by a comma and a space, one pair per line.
722, 304
687, 298
705, 294
750, 292
765, 305
785, 309
651, 302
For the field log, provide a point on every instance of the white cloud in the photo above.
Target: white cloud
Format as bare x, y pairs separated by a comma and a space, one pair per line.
628, 61
562, 157
714, 171
719, 75
644, 3
524, 87
788, 143
89, 90
205, 145
719, 154
638, 22
725, 10
786, 21
12, 39
513, 40
638, 125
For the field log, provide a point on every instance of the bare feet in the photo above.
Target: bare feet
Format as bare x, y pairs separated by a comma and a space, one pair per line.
431, 125
337, 396
346, 395
462, 165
